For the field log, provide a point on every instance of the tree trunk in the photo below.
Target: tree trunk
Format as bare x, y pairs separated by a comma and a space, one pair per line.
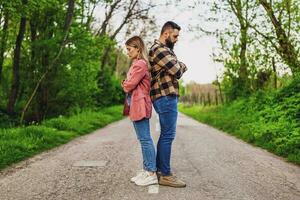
287, 50
16, 65
243, 72
241, 13
69, 16
104, 58
208, 99
43, 90
217, 99
275, 73
220, 89
3, 42
33, 35
67, 25
243, 64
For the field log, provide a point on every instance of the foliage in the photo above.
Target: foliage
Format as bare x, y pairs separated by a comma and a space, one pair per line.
16, 144
258, 41
268, 119
73, 81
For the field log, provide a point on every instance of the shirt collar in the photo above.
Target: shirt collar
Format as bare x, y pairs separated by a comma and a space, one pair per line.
156, 41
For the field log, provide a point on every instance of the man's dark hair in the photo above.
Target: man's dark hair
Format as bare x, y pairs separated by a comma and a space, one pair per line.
169, 25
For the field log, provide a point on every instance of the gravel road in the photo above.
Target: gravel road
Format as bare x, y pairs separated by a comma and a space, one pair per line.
99, 165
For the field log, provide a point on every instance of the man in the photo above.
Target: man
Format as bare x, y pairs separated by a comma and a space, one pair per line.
165, 72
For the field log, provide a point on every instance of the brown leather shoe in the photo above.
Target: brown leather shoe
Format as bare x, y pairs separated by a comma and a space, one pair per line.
171, 181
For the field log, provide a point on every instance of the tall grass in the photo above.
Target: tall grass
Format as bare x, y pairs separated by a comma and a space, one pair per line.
270, 119
16, 144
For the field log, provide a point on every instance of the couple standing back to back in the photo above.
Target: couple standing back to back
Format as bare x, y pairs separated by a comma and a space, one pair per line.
153, 79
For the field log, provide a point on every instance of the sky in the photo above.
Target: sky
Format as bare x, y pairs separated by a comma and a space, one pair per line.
196, 54
190, 49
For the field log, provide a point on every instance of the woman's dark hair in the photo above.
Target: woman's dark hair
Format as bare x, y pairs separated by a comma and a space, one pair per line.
169, 25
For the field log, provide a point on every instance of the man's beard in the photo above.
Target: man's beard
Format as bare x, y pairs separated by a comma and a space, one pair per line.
169, 43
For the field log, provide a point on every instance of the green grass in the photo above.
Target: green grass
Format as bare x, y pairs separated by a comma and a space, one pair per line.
17, 144
270, 120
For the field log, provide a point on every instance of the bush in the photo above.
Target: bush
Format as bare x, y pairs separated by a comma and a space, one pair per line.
17, 144
269, 119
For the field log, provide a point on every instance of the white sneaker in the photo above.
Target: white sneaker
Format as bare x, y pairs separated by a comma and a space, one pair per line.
138, 175
146, 179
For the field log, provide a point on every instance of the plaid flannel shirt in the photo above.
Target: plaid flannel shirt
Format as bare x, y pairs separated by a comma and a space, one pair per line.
165, 71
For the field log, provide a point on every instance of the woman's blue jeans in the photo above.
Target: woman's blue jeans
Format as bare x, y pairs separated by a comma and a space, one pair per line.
166, 107
142, 129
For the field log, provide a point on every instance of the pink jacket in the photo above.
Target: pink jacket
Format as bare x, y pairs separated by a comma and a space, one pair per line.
138, 84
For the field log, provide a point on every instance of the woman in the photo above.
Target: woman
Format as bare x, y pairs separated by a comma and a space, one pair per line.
137, 88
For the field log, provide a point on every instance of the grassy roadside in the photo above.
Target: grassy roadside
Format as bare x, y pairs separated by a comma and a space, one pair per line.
282, 138
268, 120
16, 144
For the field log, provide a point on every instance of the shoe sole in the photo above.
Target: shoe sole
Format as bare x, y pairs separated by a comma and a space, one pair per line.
151, 183
170, 185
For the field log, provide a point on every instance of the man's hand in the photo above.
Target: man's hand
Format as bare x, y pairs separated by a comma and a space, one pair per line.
122, 82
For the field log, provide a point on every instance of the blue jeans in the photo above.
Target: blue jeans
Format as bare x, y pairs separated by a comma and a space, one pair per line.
142, 129
166, 107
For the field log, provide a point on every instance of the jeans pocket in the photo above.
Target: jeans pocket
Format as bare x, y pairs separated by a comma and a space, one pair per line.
161, 105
